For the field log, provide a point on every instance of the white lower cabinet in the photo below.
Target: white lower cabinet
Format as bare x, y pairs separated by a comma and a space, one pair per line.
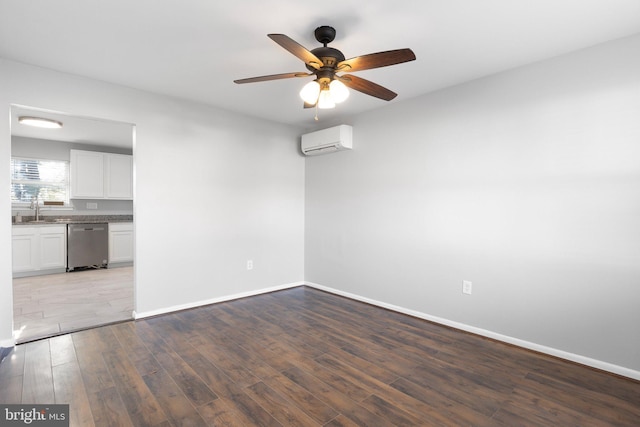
53, 247
120, 243
24, 249
39, 249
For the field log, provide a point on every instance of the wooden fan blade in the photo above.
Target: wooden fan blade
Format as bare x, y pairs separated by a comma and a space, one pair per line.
272, 77
367, 87
297, 50
376, 60
307, 105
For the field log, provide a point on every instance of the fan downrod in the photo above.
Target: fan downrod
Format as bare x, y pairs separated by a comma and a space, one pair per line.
325, 34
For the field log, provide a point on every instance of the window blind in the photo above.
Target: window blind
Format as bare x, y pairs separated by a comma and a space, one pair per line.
46, 179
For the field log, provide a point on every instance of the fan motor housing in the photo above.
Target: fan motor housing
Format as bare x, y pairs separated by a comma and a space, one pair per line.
330, 57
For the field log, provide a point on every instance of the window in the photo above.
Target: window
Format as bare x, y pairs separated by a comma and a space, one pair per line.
48, 180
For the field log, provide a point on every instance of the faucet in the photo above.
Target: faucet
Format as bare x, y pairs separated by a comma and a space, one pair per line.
35, 205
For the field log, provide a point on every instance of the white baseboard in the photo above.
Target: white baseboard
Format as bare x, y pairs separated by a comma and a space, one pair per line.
598, 364
173, 308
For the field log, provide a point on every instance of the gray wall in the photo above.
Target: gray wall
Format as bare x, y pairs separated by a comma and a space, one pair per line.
212, 190
526, 183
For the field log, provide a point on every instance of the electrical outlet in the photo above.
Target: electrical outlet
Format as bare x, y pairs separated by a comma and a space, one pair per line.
466, 287
250, 264
92, 205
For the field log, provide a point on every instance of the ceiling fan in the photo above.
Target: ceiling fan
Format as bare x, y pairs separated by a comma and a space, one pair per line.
329, 88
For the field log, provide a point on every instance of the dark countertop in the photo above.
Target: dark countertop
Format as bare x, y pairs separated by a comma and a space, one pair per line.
73, 219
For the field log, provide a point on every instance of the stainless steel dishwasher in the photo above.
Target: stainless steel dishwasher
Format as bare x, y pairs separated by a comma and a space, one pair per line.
87, 245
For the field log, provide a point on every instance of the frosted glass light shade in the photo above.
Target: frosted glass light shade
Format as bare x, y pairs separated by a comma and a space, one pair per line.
310, 92
40, 122
339, 91
325, 100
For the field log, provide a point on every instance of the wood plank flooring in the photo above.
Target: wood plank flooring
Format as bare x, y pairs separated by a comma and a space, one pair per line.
304, 357
51, 304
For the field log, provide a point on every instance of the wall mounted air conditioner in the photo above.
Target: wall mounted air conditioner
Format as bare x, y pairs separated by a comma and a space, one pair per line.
328, 140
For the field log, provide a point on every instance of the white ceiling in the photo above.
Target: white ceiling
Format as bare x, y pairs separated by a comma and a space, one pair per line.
194, 49
81, 130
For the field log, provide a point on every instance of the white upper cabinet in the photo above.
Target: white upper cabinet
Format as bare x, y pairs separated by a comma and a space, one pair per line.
87, 174
96, 175
119, 176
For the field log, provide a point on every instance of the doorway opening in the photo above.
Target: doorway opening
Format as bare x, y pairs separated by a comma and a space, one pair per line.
48, 298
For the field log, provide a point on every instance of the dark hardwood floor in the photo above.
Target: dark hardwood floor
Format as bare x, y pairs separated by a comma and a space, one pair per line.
305, 357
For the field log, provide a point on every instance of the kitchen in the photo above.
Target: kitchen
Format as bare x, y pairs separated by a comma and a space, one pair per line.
72, 223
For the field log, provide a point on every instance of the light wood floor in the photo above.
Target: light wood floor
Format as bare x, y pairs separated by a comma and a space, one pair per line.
307, 358
47, 305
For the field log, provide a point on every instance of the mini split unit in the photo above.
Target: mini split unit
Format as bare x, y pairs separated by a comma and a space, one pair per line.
328, 140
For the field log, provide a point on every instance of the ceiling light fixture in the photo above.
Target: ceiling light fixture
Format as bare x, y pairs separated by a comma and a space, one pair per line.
324, 63
40, 122
323, 93
339, 91
325, 100
310, 92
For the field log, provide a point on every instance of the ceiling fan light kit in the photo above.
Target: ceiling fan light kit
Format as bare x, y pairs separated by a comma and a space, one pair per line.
329, 88
310, 92
339, 91
326, 95
325, 101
